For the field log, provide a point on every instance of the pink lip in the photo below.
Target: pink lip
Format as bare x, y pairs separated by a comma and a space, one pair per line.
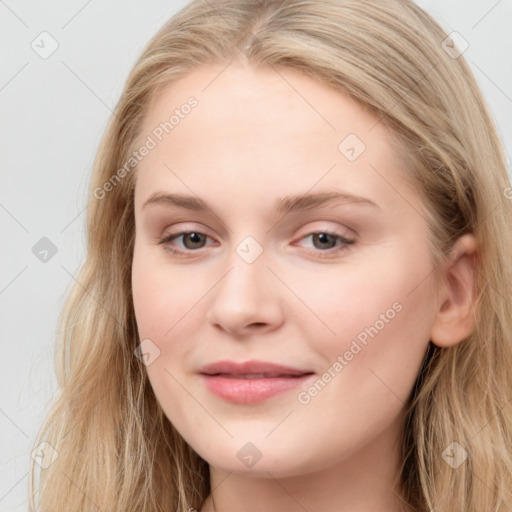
227, 380
248, 391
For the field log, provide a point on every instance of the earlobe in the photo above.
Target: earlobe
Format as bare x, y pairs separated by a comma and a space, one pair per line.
455, 319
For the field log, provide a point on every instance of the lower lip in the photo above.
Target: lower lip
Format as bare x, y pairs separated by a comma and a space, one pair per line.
248, 391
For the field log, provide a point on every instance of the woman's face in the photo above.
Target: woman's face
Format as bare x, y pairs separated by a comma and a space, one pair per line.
340, 290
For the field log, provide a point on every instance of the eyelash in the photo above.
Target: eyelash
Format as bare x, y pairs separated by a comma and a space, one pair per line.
345, 241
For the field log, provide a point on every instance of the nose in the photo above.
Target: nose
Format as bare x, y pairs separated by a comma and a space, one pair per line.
246, 300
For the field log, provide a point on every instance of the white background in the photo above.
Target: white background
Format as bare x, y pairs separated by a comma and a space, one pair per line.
53, 113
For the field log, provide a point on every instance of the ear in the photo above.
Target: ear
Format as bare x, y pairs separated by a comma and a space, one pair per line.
455, 319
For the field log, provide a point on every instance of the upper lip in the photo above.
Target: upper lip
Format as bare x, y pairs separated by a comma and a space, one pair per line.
250, 367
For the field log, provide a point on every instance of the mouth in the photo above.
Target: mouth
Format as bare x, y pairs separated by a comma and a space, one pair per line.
252, 381
252, 388
255, 368
268, 375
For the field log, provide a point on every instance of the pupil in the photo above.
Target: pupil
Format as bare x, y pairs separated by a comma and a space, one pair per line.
195, 237
323, 237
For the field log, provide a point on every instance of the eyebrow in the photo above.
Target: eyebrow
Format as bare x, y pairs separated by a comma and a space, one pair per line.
282, 205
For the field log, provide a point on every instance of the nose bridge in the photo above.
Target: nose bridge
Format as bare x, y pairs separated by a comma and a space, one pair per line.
244, 296
246, 274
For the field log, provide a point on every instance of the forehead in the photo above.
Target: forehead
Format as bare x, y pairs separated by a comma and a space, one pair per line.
242, 96
261, 130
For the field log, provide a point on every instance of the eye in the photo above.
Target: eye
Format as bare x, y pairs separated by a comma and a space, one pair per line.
325, 241
191, 240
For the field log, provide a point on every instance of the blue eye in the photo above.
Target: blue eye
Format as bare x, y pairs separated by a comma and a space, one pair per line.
193, 240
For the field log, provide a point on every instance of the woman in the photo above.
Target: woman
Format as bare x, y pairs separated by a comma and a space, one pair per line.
261, 369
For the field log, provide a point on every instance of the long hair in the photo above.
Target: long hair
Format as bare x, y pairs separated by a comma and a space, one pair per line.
115, 449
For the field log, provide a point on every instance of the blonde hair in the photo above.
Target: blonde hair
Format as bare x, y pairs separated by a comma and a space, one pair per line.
116, 449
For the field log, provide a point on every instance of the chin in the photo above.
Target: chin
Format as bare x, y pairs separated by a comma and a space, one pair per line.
257, 459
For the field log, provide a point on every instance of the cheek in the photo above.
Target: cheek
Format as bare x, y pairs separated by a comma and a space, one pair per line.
345, 303
377, 319
162, 303
150, 292
371, 361
169, 309
163, 295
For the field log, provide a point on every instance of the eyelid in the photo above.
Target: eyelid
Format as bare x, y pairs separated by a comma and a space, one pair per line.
191, 227
321, 226
185, 227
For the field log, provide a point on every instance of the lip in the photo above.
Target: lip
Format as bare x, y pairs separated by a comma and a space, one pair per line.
248, 367
240, 383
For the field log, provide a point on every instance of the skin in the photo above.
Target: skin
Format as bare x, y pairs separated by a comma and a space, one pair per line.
256, 135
